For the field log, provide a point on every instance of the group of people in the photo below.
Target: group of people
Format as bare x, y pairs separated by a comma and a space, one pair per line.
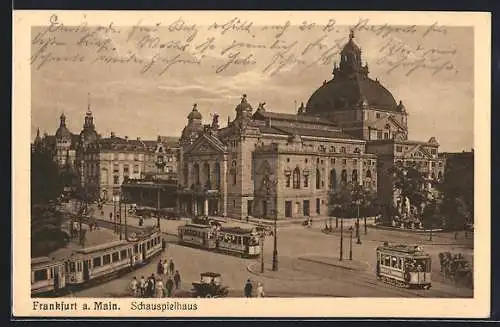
157, 286
456, 266
248, 290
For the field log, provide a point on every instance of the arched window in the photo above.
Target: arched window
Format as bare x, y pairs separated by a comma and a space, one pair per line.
233, 171
368, 174
186, 174
357, 150
343, 176
196, 173
342, 150
318, 179
440, 175
217, 175
206, 173
433, 176
355, 175
333, 179
296, 178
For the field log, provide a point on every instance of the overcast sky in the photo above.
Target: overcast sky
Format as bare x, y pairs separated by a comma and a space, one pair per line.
132, 103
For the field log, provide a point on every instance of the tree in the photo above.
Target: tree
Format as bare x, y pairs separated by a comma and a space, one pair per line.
351, 196
46, 188
410, 181
458, 196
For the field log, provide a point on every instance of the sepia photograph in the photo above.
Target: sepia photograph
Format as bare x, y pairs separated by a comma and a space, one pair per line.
194, 156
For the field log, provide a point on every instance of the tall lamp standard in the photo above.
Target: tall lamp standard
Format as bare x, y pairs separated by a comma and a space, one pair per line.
341, 238
268, 184
357, 224
115, 227
350, 244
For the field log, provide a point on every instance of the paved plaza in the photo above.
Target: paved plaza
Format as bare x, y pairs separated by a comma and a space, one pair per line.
308, 264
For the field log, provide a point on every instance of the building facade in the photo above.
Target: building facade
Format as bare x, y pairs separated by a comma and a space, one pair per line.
270, 164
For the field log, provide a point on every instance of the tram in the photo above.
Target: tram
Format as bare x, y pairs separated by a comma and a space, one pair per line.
233, 240
47, 276
197, 235
404, 265
244, 241
92, 264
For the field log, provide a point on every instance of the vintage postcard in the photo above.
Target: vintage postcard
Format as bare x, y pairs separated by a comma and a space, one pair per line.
251, 164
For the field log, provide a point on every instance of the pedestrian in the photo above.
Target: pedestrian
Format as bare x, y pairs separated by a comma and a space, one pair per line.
151, 285
110, 216
260, 290
159, 288
133, 287
177, 279
169, 286
142, 286
171, 267
159, 268
165, 266
248, 288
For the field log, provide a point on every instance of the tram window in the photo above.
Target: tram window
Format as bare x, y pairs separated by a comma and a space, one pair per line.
394, 262
106, 259
66, 266
79, 266
387, 261
116, 257
123, 254
72, 267
96, 262
420, 263
41, 275
400, 263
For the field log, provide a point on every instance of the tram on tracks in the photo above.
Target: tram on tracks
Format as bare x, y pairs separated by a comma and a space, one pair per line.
244, 242
403, 265
87, 266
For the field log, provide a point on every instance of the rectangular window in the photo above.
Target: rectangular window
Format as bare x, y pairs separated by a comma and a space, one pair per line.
433, 151
116, 168
433, 164
41, 275
379, 135
123, 254
136, 169
399, 148
306, 181
125, 169
354, 161
115, 257
96, 262
116, 180
106, 259
344, 161
332, 161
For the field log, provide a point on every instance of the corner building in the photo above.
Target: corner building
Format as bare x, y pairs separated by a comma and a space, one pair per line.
269, 164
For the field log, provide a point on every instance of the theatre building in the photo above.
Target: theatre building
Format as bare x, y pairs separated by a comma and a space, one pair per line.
270, 164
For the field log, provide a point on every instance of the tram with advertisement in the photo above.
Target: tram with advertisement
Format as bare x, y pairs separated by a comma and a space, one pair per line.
403, 265
197, 235
227, 239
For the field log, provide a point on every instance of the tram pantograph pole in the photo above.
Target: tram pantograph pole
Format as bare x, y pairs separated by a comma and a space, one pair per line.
350, 245
262, 252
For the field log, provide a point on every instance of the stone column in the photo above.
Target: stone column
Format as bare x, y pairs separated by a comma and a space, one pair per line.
205, 206
223, 177
195, 206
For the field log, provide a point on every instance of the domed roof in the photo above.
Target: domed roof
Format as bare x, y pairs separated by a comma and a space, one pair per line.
195, 114
341, 94
63, 132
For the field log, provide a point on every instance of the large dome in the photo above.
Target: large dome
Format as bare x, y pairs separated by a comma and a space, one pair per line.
344, 93
350, 87
63, 133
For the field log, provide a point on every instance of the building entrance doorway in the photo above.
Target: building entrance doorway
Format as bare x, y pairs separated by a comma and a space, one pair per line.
306, 208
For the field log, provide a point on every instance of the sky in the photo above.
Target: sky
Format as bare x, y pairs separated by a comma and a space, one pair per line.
431, 72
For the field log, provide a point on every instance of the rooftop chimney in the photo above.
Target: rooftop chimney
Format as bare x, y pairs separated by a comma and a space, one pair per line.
112, 134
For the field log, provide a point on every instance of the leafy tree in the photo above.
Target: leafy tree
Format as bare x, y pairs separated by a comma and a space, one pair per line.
458, 196
46, 188
344, 202
431, 215
409, 180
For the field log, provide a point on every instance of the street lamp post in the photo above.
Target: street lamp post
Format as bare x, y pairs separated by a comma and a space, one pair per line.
366, 230
275, 251
158, 213
125, 214
262, 237
341, 238
357, 226
115, 227
350, 244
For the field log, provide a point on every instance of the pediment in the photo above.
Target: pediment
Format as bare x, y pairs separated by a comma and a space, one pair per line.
388, 120
204, 145
417, 151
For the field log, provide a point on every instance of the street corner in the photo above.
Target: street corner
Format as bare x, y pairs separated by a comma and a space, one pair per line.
285, 271
353, 265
